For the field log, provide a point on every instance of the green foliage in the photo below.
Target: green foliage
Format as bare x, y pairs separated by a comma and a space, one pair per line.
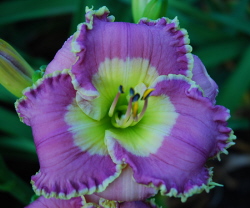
12, 184
237, 83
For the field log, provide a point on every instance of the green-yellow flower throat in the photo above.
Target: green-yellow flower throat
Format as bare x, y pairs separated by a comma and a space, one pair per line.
124, 116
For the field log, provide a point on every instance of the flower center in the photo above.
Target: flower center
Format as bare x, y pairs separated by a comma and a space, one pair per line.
127, 115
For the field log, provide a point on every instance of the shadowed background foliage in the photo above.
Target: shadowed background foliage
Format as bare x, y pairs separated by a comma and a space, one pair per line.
220, 35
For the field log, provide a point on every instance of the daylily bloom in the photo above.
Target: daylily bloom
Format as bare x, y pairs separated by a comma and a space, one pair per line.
89, 201
124, 111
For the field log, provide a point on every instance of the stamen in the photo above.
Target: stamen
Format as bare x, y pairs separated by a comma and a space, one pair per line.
135, 106
131, 116
143, 110
128, 123
145, 97
128, 110
114, 103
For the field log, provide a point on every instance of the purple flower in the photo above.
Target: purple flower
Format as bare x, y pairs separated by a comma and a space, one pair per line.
124, 111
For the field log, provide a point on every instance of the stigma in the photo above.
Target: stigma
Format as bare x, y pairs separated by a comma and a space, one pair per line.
123, 116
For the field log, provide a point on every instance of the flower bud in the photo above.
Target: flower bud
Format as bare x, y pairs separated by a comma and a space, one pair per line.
15, 72
152, 9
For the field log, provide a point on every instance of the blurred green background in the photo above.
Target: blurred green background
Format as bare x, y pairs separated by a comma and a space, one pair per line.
220, 35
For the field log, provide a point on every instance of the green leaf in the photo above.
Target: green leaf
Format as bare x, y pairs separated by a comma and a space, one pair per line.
237, 84
239, 124
201, 34
79, 16
18, 144
18, 148
232, 22
240, 9
189, 9
11, 183
11, 124
13, 11
218, 52
229, 20
6, 96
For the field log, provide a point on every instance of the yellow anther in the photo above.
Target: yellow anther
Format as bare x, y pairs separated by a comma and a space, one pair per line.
147, 93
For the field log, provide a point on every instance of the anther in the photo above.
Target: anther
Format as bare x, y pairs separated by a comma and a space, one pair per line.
132, 92
112, 108
136, 97
147, 93
121, 90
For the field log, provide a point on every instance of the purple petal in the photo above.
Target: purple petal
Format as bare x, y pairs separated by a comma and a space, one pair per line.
200, 132
129, 190
42, 202
201, 77
68, 167
160, 42
64, 58
138, 204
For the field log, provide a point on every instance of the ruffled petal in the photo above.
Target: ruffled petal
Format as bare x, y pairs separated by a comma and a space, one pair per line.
93, 201
162, 43
43, 202
202, 78
129, 190
90, 201
72, 155
138, 204
177, 167
64, 58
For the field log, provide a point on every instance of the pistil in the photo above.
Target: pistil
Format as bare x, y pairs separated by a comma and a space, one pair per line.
128, 112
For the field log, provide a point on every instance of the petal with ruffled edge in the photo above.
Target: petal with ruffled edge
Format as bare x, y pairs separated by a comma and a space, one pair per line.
162, 43
129, 190
176, 165
90, 201
72, 155
64, 58
93, 201
138, 204
43, 202
202, 78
